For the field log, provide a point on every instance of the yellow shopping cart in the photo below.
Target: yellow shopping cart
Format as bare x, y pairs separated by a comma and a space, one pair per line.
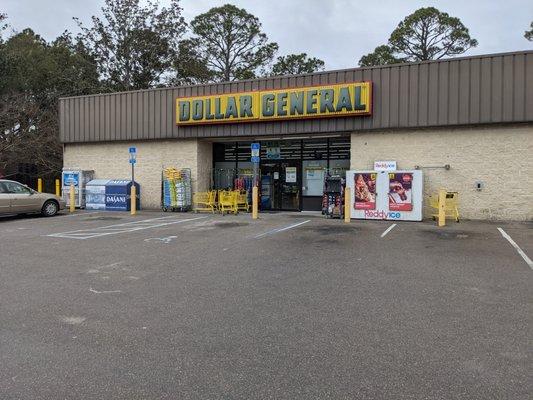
450, 206
242, 201
204, 201
227, 201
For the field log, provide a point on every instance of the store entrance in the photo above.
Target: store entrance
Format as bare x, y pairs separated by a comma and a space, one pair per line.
281, 185
292, 170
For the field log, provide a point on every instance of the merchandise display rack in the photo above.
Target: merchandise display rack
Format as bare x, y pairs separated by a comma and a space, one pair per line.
332, 200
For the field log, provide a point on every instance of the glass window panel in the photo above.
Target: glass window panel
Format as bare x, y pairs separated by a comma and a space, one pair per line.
313, 177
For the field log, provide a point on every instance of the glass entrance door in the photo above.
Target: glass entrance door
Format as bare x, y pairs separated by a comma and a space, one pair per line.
281, 185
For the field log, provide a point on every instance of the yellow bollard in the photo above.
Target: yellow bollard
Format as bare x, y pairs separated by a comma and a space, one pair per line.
442, 207
58, 188
347, 204
133, 199
72, 194
40, 185
255, 202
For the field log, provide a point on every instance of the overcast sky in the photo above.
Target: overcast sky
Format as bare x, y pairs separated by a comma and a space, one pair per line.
337, 31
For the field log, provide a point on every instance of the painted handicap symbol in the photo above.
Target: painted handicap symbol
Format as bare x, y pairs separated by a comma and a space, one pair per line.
166, 240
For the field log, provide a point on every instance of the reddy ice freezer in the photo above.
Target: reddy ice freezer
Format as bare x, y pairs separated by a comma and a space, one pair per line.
389, 195
79, 179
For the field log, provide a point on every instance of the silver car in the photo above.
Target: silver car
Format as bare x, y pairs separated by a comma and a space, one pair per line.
16, 198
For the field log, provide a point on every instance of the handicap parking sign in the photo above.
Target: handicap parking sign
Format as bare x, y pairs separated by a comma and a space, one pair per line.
133, 155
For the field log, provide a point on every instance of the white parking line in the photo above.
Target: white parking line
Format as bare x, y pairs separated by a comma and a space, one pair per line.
82, 213
388, 230
517, 248
120, 228
281, 229
104, 291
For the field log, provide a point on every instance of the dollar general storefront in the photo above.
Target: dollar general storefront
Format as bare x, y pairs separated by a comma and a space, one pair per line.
466, 122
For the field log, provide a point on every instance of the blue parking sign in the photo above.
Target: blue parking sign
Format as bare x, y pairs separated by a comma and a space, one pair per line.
133, 155
256, 148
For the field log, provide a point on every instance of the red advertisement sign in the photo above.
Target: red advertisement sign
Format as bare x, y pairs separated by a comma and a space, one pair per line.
400, 191
365, 191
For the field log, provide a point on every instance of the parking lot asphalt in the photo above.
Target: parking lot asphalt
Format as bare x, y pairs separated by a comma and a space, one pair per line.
291, 306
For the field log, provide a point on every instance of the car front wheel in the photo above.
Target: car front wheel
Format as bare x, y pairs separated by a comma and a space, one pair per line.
50, 208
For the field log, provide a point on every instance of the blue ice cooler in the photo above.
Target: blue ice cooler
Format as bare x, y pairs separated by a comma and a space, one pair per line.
95, 194
118, 195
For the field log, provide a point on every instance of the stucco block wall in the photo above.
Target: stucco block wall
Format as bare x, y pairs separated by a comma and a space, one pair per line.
204, 165
110, 160
500, 157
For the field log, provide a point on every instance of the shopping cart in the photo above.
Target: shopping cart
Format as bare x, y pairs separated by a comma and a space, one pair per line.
227, 201
451, 209
204, 201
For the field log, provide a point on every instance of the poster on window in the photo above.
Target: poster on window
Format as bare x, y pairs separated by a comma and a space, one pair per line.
290, 175
273, 153
400, 191
365, 191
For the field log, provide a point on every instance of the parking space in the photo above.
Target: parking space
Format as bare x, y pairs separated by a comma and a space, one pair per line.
197, 306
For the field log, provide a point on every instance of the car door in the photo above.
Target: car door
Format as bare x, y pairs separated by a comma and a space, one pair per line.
22, 198
5, 199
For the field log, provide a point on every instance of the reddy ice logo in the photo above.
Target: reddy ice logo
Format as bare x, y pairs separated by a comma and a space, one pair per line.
380, 214
384, 165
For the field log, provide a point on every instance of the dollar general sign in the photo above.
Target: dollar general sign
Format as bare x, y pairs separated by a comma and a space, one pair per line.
341, 100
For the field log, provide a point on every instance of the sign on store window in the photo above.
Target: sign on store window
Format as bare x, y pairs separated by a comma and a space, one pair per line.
290, 175
273, 153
